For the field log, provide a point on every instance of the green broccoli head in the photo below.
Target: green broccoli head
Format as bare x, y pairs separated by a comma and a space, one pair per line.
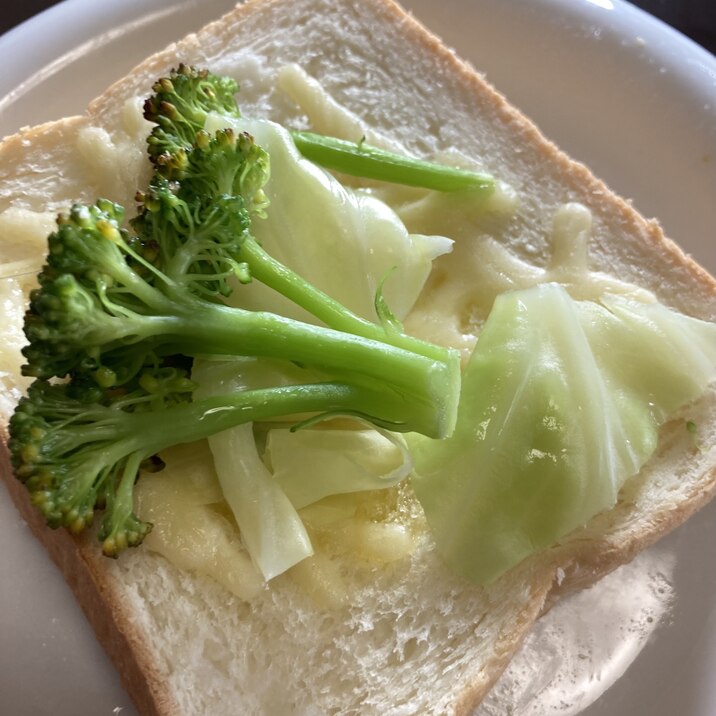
88, 294
198, 237
56, 444
228, 163
65, 495
108, 300
77, 449
197, 210
80, 450
63, 317
99, 224
225, 163
179, 107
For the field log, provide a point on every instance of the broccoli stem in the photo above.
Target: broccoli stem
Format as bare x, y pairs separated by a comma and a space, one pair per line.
76, 457
143, 434
120, 519
264, 268
362, 160
424, 384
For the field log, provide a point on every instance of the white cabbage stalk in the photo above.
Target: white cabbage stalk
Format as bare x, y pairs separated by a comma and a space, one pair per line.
270, 527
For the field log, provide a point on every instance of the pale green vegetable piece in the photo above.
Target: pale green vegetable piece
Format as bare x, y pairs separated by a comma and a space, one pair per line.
561, 403
675, 353
312, 464
304, 466
270, 527
342, 241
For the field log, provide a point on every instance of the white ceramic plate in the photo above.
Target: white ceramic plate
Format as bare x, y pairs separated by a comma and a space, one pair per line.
614, 87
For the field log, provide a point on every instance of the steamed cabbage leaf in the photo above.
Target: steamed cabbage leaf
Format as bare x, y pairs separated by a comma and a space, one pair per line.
270, 527
313, 464
264, 491
343, 241
561, 403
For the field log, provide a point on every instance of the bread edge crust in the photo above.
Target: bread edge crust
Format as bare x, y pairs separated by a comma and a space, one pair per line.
80, 561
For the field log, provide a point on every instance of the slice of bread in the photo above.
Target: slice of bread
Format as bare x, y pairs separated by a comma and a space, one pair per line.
414, 638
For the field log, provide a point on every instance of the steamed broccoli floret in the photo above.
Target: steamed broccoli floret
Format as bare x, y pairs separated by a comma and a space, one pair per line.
78, 451
183, 100
198, 214
119, 313
93, 313
73, 313
179, 107
73, 455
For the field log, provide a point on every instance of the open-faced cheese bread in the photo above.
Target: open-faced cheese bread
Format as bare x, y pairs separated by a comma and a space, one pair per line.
413, 638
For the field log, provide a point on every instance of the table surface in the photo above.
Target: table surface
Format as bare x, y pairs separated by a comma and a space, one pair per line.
695, 18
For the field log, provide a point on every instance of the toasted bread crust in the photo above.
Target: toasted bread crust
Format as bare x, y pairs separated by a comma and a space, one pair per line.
81, 563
